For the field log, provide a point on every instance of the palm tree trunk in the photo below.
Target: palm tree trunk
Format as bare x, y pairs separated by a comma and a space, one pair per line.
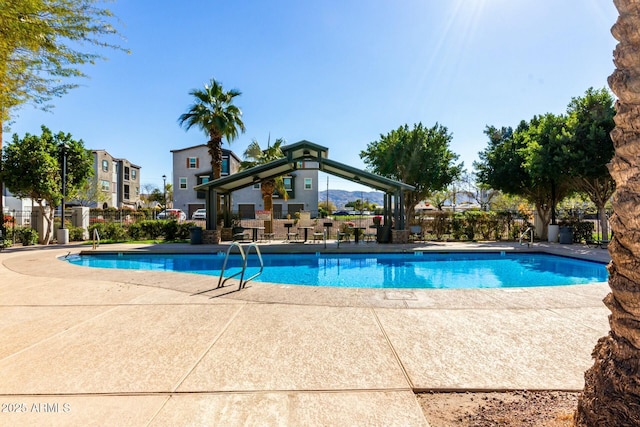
611, 395
215, 151
267, 188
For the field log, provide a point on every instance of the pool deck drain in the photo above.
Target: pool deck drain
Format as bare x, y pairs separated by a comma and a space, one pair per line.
83, 346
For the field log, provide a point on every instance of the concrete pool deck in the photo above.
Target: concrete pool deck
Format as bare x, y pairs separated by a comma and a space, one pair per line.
83, 346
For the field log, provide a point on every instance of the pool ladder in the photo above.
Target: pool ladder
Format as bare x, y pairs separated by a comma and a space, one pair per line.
222, 280
530, 231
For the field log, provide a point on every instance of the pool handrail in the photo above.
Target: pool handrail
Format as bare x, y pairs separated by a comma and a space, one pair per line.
530, 231
244, 264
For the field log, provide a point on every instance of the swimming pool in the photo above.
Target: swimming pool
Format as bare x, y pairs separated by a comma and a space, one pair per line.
375, 270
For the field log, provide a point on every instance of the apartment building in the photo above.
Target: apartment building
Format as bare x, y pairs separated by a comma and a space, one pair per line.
192, 166
118, 179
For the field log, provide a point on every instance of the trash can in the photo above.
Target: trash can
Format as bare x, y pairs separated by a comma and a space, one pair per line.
383, 234
196, 235
566, 235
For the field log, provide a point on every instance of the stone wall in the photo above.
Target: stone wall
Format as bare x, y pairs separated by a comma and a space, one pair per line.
210, 237
399, 236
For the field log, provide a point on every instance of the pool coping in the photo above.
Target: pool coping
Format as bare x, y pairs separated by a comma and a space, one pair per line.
265, 292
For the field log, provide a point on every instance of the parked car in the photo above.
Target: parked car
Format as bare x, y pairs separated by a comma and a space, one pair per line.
341, 213
199, 214
172, 214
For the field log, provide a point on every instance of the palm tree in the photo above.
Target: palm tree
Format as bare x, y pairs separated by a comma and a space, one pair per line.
214, 112
254, 156
611, 395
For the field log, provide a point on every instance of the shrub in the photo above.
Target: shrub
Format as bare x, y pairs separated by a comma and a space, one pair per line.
152, 228
441, 224
135, 232
582, 230
76, 234
27, 235
170, 229
109, 231
115, 232
99, 226
458, 224
183, 230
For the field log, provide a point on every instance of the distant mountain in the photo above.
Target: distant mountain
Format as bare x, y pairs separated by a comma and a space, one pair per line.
340, 197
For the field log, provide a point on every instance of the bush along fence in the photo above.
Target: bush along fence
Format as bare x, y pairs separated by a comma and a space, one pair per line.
481, 225
119, 225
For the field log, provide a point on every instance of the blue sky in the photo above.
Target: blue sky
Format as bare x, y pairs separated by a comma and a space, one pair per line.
337, 73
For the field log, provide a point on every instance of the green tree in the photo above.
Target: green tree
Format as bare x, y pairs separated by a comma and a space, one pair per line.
546, 163
89, 194
589, 148
528, 162
419, 156
33, 169
327, 207
214, 112
42, 51
254, 155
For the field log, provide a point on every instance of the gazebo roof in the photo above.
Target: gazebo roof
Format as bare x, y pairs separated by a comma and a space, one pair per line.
294, 153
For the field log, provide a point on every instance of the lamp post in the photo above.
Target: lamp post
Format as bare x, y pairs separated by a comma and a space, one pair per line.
164, 190
63, 234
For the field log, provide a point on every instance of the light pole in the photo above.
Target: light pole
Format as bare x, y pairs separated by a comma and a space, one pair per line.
164, 190
63, 234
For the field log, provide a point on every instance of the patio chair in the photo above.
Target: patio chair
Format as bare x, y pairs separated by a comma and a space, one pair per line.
291, 235
318, 235
239, 234
344, 237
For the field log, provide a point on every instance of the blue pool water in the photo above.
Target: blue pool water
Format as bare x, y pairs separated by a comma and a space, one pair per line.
379, 270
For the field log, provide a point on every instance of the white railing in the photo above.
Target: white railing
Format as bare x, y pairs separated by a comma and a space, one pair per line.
96, 239
530, 231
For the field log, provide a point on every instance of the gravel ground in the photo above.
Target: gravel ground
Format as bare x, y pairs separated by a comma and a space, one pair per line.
516, 408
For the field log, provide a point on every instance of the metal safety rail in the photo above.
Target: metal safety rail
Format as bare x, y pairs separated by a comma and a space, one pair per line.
96, 239
222, 280
530, 231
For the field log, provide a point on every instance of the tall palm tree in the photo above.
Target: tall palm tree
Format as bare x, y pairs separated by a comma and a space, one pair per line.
611, 395
254, 156
214, 112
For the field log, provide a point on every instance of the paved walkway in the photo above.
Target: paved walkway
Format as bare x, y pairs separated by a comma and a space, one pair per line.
81, 346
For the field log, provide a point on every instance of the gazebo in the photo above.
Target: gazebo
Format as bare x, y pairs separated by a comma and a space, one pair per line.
293, 155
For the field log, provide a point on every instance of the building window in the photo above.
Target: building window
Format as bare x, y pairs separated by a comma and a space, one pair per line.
105, 185
137, 191
126, 192
193, 163
134, 174
288, 182
225, 165
183, 183
202, 180
105, 165
126, 173
256, 186
308, 183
